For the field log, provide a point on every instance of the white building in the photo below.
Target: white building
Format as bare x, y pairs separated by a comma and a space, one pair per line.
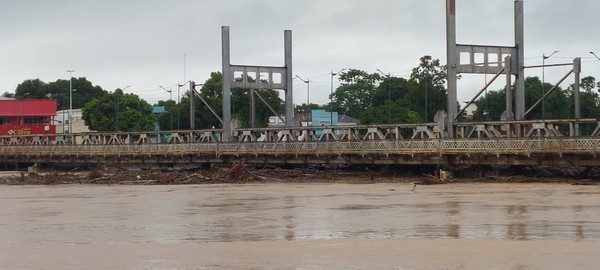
470, 111
62, 121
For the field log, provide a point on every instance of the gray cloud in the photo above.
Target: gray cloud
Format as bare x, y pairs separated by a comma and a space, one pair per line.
142, 43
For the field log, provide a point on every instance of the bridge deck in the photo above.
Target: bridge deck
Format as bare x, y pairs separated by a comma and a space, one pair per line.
400, 144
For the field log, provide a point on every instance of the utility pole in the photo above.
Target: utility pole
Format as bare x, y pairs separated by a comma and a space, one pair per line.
307, 99
70, 99
170, 91
388, 76
331, 94
117, 104
544, 57
192, 105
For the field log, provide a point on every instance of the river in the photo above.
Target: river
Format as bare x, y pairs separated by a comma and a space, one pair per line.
300, 226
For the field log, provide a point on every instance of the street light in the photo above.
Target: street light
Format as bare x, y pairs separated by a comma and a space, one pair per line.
331, 95
178, 100
307, 89
117, 107
70, 98
592, 53
170, 91
307, 98
389, 95
21, 96
544, 57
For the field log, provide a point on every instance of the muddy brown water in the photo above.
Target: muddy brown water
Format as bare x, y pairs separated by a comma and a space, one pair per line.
300, 226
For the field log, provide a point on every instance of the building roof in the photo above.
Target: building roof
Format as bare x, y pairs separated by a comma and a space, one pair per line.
347, 119
28, 107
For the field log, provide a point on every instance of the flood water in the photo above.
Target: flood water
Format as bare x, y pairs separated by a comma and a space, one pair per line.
300, 226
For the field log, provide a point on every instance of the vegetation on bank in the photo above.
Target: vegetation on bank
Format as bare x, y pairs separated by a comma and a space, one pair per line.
239, 173
373, 98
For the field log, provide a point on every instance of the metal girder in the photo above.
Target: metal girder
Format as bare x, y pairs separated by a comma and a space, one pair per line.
548, 93
480, 92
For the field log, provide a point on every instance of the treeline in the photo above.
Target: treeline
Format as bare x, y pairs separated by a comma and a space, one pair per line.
373, 98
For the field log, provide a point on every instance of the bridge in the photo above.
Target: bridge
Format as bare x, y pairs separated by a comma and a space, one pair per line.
502, 143
447, 142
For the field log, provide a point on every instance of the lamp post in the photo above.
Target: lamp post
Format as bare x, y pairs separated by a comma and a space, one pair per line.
307, 89
544, 57
307, 98
389, 95
331, 95
178, 114
170, 91
592, 53
70, 98
62, 107
117, 107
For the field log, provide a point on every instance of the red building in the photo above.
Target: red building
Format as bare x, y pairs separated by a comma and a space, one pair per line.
27, 116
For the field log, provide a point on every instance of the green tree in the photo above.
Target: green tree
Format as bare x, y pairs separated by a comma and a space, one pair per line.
391, 89
429, 92
118, 111
34, 89
556, 105
83, 91
399, 114
588, 83
356, 92
590, 101
168, 119
490, 106
304, 108
240, 105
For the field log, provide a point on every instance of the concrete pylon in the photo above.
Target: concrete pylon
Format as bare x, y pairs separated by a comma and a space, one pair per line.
264, 77
494, 58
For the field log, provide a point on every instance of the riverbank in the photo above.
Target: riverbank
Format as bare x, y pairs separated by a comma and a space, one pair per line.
239, 173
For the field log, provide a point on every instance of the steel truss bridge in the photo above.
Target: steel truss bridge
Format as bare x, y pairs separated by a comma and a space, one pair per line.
503, 143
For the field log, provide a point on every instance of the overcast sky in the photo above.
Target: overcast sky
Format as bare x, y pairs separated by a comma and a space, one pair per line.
116, 43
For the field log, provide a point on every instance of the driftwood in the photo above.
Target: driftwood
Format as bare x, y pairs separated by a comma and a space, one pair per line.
102, 178
262, 178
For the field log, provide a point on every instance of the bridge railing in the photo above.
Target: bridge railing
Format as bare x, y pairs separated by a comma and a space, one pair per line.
430, 147
399, 132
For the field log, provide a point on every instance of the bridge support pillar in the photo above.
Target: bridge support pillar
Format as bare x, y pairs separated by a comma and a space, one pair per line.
492, 63
255, 77
443, 175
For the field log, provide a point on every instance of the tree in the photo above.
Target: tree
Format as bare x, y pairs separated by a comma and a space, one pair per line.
119, 112
399, 114
590, 101
355, 94
83, 91
34, 89
556, 105
392, 89
429, 93
588, 83
168, 119
211, 91
490, 106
